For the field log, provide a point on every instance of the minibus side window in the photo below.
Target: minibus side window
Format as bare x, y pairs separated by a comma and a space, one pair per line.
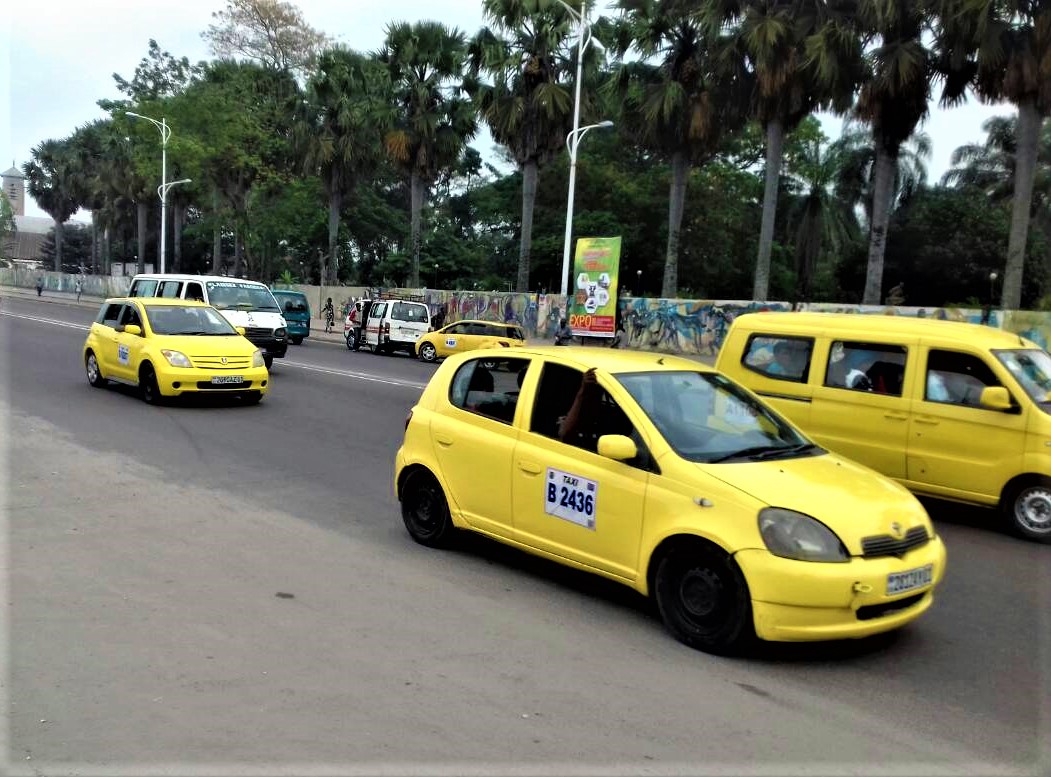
957, 378
779, 357
144, 287
875, 367
170, 289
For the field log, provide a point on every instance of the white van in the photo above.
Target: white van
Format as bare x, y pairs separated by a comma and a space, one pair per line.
395, 325
247, 304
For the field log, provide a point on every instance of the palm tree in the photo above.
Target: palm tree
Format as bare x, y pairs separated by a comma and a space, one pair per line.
340, 130
894, 99
526, 55
681, 106
50, 180
1010, 46
823, 223
426, 61
855, 155
805, 56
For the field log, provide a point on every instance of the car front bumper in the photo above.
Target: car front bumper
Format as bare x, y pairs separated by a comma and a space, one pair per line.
175, 381
798, 601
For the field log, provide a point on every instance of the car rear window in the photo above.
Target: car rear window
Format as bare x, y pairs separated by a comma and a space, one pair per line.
408, 311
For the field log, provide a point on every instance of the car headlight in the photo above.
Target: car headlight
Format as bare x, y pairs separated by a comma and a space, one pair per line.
176, 358
279, 332
793, 535
257, 358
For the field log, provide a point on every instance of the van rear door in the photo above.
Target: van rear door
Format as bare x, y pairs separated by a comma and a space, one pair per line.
409, 321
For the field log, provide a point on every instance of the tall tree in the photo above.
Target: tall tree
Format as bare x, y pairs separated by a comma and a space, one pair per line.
855, 154
525, 59
434, 122
270, 32
342, 124
1010, 46
805, 55
50, 180
696, 90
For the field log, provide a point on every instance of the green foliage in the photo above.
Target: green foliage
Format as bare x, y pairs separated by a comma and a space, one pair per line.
76, 248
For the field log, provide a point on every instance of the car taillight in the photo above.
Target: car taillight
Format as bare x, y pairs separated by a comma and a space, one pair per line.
407, 419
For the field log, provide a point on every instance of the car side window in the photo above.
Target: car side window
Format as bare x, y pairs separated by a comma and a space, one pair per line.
377, 310
170, 289
957, 378
194, 291
130, 315
489, 387
875, 367
598, 415
779, 357
110, 314
456, 329
477, 329
144, 287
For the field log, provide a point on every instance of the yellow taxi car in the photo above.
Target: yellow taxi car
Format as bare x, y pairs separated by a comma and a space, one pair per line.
665, 475
468, 336
169, 347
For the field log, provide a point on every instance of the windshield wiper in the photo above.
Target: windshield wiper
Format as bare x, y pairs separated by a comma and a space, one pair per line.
187, 332
759, 452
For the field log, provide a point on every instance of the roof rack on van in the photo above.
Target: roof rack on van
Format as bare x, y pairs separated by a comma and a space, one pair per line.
378, 293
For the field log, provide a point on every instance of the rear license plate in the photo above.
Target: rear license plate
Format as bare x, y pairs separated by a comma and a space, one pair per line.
900, 582
218, 380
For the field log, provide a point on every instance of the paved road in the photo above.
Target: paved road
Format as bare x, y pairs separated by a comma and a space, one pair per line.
208, 588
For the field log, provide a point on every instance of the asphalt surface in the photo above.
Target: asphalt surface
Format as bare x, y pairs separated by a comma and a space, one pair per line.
208, 588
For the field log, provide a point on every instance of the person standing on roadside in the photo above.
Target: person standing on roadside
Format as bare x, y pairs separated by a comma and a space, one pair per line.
39, 285
329, 314
79, 289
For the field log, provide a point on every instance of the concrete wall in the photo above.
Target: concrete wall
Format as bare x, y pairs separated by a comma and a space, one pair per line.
695, 327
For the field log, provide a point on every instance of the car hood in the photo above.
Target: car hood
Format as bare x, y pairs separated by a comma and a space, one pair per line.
852, 500
207, 345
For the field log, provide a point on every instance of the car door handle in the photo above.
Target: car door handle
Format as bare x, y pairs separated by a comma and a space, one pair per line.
444, 441
927, 421
529, 467
896, 416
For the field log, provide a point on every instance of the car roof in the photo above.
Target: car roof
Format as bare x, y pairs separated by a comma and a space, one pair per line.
480, 321
865, 323
154, 301
608, 359
288, 291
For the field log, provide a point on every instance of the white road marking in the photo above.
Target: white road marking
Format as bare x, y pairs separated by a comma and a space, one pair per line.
299, 365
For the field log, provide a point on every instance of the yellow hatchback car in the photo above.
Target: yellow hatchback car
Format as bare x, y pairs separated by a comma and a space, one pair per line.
665, 475
468, 336
169, 347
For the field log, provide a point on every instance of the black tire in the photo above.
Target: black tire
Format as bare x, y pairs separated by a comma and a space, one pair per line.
268, 360
296, 340
703, 599
91, 366
426, 512
252, 397
151, 393
428, 353
1027, 508
352, 341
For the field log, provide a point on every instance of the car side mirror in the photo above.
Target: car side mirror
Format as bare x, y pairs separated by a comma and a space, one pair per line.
240, 330
133, 329
618, 447
995, 398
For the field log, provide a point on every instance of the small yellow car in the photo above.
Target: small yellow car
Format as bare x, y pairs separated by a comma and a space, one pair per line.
169, 347
468, 336
665, 475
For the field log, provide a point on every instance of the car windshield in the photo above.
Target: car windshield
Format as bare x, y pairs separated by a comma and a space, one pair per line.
240, 295
183, 320
705, 417
1032, 369
291, 303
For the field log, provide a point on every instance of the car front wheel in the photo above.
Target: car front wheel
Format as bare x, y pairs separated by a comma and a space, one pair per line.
91, 366
425, 511
1028, 509
428, 353
703, 599
151, 393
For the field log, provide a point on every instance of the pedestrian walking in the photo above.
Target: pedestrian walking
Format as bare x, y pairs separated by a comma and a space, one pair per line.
79, 288
329, 314
40, 285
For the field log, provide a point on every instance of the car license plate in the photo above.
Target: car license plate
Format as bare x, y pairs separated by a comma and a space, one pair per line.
571, 498
900, 582
218, 380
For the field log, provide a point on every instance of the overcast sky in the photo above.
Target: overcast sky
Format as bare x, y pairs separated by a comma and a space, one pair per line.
57, 58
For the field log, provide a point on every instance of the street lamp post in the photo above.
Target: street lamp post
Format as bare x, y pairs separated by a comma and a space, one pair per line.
992, 288
638, 278
162, 190
435, 275
574, 137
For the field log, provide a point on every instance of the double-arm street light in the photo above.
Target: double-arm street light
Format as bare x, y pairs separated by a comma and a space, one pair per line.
573, 138
162, 190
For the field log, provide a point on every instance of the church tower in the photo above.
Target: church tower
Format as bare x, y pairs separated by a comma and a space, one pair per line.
15, 190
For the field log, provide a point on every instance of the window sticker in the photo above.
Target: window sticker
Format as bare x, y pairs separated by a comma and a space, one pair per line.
123, 354
571, 498
450, 342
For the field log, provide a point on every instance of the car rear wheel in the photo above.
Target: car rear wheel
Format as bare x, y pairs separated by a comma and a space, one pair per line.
1028, 508
425, 511
151, 393
252, 397
428, 353
703, 599
352, 341
91, 366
